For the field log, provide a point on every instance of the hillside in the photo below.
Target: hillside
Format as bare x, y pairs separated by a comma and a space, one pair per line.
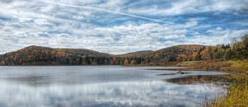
163, 56
37, 55
136, 54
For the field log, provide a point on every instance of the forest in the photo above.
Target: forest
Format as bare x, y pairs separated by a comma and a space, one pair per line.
37, 55
238, 50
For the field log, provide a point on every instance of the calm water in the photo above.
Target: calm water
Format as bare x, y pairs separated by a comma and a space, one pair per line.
100, 86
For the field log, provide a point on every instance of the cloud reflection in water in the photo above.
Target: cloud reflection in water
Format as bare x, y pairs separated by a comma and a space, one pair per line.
108, 94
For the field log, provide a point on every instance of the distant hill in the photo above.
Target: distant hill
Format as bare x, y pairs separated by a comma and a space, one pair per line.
136, 54
179, 52
163, 56
37, 55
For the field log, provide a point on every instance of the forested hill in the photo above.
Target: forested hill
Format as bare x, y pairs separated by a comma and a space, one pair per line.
235, 51
163, 56
136, 54
36, 55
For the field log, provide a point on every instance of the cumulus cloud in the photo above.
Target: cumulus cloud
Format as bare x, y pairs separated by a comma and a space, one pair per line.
118, 26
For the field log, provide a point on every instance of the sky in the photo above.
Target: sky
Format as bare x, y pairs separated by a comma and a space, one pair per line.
120, 26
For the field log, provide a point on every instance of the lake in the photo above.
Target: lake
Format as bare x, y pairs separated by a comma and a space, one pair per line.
101, 86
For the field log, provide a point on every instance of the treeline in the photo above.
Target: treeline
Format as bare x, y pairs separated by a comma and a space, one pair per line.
236, 50
35, 55
165, 56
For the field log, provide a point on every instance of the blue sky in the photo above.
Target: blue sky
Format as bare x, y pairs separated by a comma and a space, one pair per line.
120, 26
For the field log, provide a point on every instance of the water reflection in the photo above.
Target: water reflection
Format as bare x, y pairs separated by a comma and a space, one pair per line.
111, 94
86, 87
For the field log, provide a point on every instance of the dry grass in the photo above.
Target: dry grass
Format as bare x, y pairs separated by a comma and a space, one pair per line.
239, 66
206, 65
237, 95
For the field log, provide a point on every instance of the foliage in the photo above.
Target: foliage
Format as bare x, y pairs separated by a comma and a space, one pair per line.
35, 55
236, 51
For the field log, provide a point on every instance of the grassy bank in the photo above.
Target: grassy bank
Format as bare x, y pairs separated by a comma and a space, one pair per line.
237, 96
238, 92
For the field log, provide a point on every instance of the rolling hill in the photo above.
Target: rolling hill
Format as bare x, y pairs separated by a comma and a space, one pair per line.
37, 55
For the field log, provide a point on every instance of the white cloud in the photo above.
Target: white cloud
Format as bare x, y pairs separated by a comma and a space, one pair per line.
218, 36
114, 26
130, 37
192, 6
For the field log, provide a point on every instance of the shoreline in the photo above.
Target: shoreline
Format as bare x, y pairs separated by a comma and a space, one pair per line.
238, 78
